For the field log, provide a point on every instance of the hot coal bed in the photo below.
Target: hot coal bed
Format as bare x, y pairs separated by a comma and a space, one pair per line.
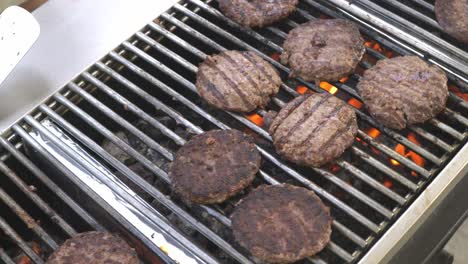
139, 105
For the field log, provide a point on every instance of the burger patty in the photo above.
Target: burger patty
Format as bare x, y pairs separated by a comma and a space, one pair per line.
257, 13
94, 248
214, 166
403, 90
282, 223
313, 129
323, 50
237, 80
452, 16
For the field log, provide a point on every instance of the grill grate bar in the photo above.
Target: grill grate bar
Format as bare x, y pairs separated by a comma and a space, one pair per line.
51, 185
355, 171
28, 220
385, 169
103, 86
37, 200
202, 55
426, 134
191, 86
18, 241
415, 14
5, 258
213, 27
285, 168
424, 4
358, 240
129, 173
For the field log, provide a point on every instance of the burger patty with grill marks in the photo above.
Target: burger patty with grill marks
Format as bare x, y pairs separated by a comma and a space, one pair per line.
94, 248
214, 166
237, 81
403, 90
312, 130
452, 16
257, 13
282, 223
323, 50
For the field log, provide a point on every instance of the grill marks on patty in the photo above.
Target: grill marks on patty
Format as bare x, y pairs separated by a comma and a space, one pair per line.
257, 13
282, 223
404, 90
214, 166
237, 81
313, 129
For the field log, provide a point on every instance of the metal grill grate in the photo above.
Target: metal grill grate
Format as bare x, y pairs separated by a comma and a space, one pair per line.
151, 78
414, 21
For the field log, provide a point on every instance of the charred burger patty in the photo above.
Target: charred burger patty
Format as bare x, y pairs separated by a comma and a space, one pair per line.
237, 80
403, 90
282, 223
323, 50
214, 166
94, 248
257, 13
313, 129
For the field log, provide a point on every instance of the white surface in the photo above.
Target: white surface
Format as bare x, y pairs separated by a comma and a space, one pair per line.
18, 32
74, 34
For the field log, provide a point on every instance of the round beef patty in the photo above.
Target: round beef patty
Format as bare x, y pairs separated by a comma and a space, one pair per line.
257, 13
403, 90
282, 223
314, 129
237, 80
94, 248
323, 50
452, 16
214, 166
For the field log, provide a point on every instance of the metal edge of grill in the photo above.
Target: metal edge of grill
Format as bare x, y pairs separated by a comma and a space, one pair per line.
92, 80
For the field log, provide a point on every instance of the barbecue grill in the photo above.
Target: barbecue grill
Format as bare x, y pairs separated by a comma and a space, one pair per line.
394, 195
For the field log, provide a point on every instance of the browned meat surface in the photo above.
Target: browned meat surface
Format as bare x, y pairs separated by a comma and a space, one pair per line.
257, 13
403, 90
282, 223
214, 166
323, 50
453, 18
313, 129
94, 248
237, 80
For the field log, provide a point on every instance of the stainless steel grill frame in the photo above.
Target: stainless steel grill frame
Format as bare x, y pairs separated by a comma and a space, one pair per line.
193, 21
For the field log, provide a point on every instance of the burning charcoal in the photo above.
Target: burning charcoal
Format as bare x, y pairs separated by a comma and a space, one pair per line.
117, 152
144, 174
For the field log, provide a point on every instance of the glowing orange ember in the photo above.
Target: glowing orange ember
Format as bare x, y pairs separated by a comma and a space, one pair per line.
373, 132
376, 46
301, 89
388, 184
255, 118
25, 259
355, 102
344, 79
275, 56
328, 87
334, 168
420, 161
458, 92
